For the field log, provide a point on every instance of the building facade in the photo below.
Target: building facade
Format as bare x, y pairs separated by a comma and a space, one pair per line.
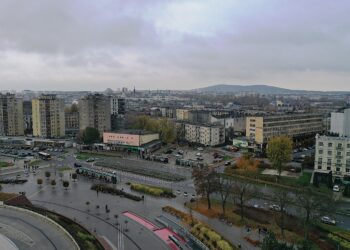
262, 128
48, 116
27, 117
72, 123
11, 115
340, 123
182, 114
332, 154
95, 112
207, 135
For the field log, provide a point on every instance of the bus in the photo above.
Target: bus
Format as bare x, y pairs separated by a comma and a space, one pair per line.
44, 156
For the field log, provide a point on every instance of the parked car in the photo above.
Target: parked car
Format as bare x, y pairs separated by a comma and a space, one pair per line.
185, 194
200, 149
90, 160
198, 154
328, 220
274, 207
227, 163
178, 191
336, 188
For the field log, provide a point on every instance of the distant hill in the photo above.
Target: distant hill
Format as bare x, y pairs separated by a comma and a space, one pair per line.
262, 89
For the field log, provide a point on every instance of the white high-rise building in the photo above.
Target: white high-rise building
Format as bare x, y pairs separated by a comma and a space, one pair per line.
340, 123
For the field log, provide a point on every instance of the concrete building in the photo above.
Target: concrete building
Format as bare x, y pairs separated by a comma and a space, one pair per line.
182, 114
332, 154
133, 140
207, 135
340, 123
72, 123
95, 112
262, 128
27, 117
237, 123
11, 115
48, 116
118, 105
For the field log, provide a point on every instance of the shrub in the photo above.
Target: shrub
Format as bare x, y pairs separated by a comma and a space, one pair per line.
223, 245
152, 190
107, 189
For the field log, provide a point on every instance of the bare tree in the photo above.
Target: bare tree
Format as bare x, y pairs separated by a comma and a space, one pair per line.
282, 197
244, 192
313, 206
225, 188
205, 181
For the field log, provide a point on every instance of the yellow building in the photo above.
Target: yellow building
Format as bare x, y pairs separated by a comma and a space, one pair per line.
262, 128
11, 115
182, 114
48, 117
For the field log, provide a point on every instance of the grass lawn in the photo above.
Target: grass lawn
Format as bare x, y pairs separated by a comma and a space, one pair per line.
303, 180
4, 164
6, 196
34, 162
226, 158
84, 156
66, 168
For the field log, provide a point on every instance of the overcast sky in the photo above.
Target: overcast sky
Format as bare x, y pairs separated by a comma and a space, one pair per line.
150, 44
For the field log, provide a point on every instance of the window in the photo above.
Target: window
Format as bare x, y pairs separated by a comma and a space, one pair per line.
348, 146
329, 152
320, 144
328, 168
338, 170
320, 151
330, 144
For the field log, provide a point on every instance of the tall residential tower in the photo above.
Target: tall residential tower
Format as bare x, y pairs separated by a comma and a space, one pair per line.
11, 115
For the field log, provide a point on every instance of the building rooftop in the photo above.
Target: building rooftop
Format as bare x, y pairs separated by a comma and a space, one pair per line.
134, 132
332, 138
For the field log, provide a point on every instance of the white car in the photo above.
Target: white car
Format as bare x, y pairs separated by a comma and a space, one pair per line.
178, 191
327, 220
185, 194
275, 208
336, 188
200, 149
198, 154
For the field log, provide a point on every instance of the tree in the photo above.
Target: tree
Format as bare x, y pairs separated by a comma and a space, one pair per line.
65, 184
47, 174
244, 192
225, 188
39, 182
205, 181
74, 176
279, 151
271, 243
281, 197
313, 205
89, 136
246, 165
53, 183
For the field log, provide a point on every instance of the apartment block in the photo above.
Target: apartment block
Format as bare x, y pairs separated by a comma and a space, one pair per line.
332, 154
262, 128
182, 114
48, 116
11, 115
95, 112
72, 123
340, 123
207, 135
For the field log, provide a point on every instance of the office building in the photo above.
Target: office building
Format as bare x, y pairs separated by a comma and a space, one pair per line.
332, 154
261, 129
48, 116
95, 112
11, 115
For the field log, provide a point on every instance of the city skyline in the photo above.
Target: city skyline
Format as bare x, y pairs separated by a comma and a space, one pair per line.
174, 44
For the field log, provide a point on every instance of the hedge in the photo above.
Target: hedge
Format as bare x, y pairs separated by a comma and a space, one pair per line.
152, 190
114, 191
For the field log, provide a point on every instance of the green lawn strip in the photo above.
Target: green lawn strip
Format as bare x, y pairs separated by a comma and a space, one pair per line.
336, 234
152, 190
86, 155
142, 171
6, 196
4, 164
34, 162
66, 168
